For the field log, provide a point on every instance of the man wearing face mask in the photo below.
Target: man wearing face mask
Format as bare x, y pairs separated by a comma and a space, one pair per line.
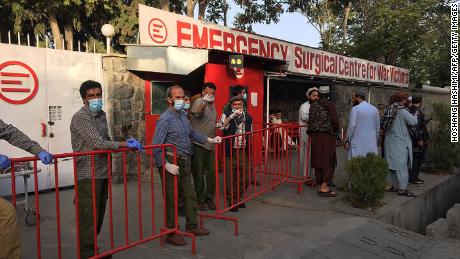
203, 119
89, 132
237, 91
174, 128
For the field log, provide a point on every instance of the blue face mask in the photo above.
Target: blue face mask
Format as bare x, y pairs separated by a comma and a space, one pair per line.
186, 106
179, 104
95, 105
245, 96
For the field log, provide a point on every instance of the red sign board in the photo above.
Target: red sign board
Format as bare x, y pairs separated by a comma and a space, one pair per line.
14, 84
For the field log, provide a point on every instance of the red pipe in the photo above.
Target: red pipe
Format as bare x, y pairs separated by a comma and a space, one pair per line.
95, 216
125, 190
58, 213
37, 215
139, 193
109, 175
77, 217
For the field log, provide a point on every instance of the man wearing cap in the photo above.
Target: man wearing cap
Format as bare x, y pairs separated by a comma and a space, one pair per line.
363, 127
203, 119
322, 127
304, 111
236, 122
240, 91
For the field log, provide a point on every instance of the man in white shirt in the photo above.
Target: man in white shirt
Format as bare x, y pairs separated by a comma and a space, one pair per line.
312, 95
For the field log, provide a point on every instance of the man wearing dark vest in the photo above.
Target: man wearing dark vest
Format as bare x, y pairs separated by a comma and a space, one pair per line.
322, 126
233, 122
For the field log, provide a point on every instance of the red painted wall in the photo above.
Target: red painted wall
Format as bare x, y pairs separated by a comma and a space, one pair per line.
223, 78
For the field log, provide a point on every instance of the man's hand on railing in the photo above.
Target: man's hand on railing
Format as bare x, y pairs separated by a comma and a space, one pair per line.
172, 169
45, 157
133, 143
4, 162
215, 140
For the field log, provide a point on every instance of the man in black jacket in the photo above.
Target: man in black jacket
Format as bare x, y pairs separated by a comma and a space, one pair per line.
419, 137
235, 122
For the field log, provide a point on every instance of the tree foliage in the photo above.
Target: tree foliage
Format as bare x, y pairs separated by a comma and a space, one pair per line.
411, 34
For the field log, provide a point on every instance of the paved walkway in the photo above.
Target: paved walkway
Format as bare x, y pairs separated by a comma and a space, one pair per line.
278, 224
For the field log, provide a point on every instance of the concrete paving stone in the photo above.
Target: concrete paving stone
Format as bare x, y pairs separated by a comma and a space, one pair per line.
277, 224
453, 220
438, 229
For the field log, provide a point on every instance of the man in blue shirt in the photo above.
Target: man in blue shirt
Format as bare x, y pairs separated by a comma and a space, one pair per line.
173, 127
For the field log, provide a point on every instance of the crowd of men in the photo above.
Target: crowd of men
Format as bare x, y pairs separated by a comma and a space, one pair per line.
192, 130
399, 128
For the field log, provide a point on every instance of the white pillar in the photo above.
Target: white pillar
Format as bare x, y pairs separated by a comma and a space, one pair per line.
107, 41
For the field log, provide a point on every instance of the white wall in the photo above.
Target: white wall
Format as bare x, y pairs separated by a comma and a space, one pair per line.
59, 74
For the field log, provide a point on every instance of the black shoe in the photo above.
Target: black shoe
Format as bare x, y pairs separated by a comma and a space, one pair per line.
331, 184
242, 205
419, 181
235, 209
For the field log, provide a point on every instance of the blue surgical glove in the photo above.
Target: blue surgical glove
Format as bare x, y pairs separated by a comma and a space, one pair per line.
4, 162
45, 157
133, 143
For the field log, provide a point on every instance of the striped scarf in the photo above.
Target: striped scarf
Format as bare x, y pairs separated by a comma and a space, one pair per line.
389, 115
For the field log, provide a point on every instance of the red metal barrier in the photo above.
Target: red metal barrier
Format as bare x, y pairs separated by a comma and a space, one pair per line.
113, 245
266, 158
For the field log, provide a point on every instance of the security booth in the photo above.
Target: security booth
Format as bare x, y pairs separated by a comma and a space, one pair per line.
162, 67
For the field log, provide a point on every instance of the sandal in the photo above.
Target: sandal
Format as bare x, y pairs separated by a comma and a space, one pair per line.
329, 193
407, 194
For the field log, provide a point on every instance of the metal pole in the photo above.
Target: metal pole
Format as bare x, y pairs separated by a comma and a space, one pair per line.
369, 96
19, 39
28, 40
46, 42
9, 37
94, 47
79, 46
107, 39
267, 115
63, 43
37, 43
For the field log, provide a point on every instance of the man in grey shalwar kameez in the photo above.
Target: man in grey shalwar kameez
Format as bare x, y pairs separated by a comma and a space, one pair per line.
363, 127
398, 144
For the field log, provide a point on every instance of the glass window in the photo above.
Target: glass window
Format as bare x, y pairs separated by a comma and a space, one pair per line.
159, 97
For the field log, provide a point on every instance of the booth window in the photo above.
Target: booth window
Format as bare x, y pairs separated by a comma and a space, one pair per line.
159, 97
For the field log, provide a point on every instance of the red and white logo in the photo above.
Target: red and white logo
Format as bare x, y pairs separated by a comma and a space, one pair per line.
18, 82
157, 30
